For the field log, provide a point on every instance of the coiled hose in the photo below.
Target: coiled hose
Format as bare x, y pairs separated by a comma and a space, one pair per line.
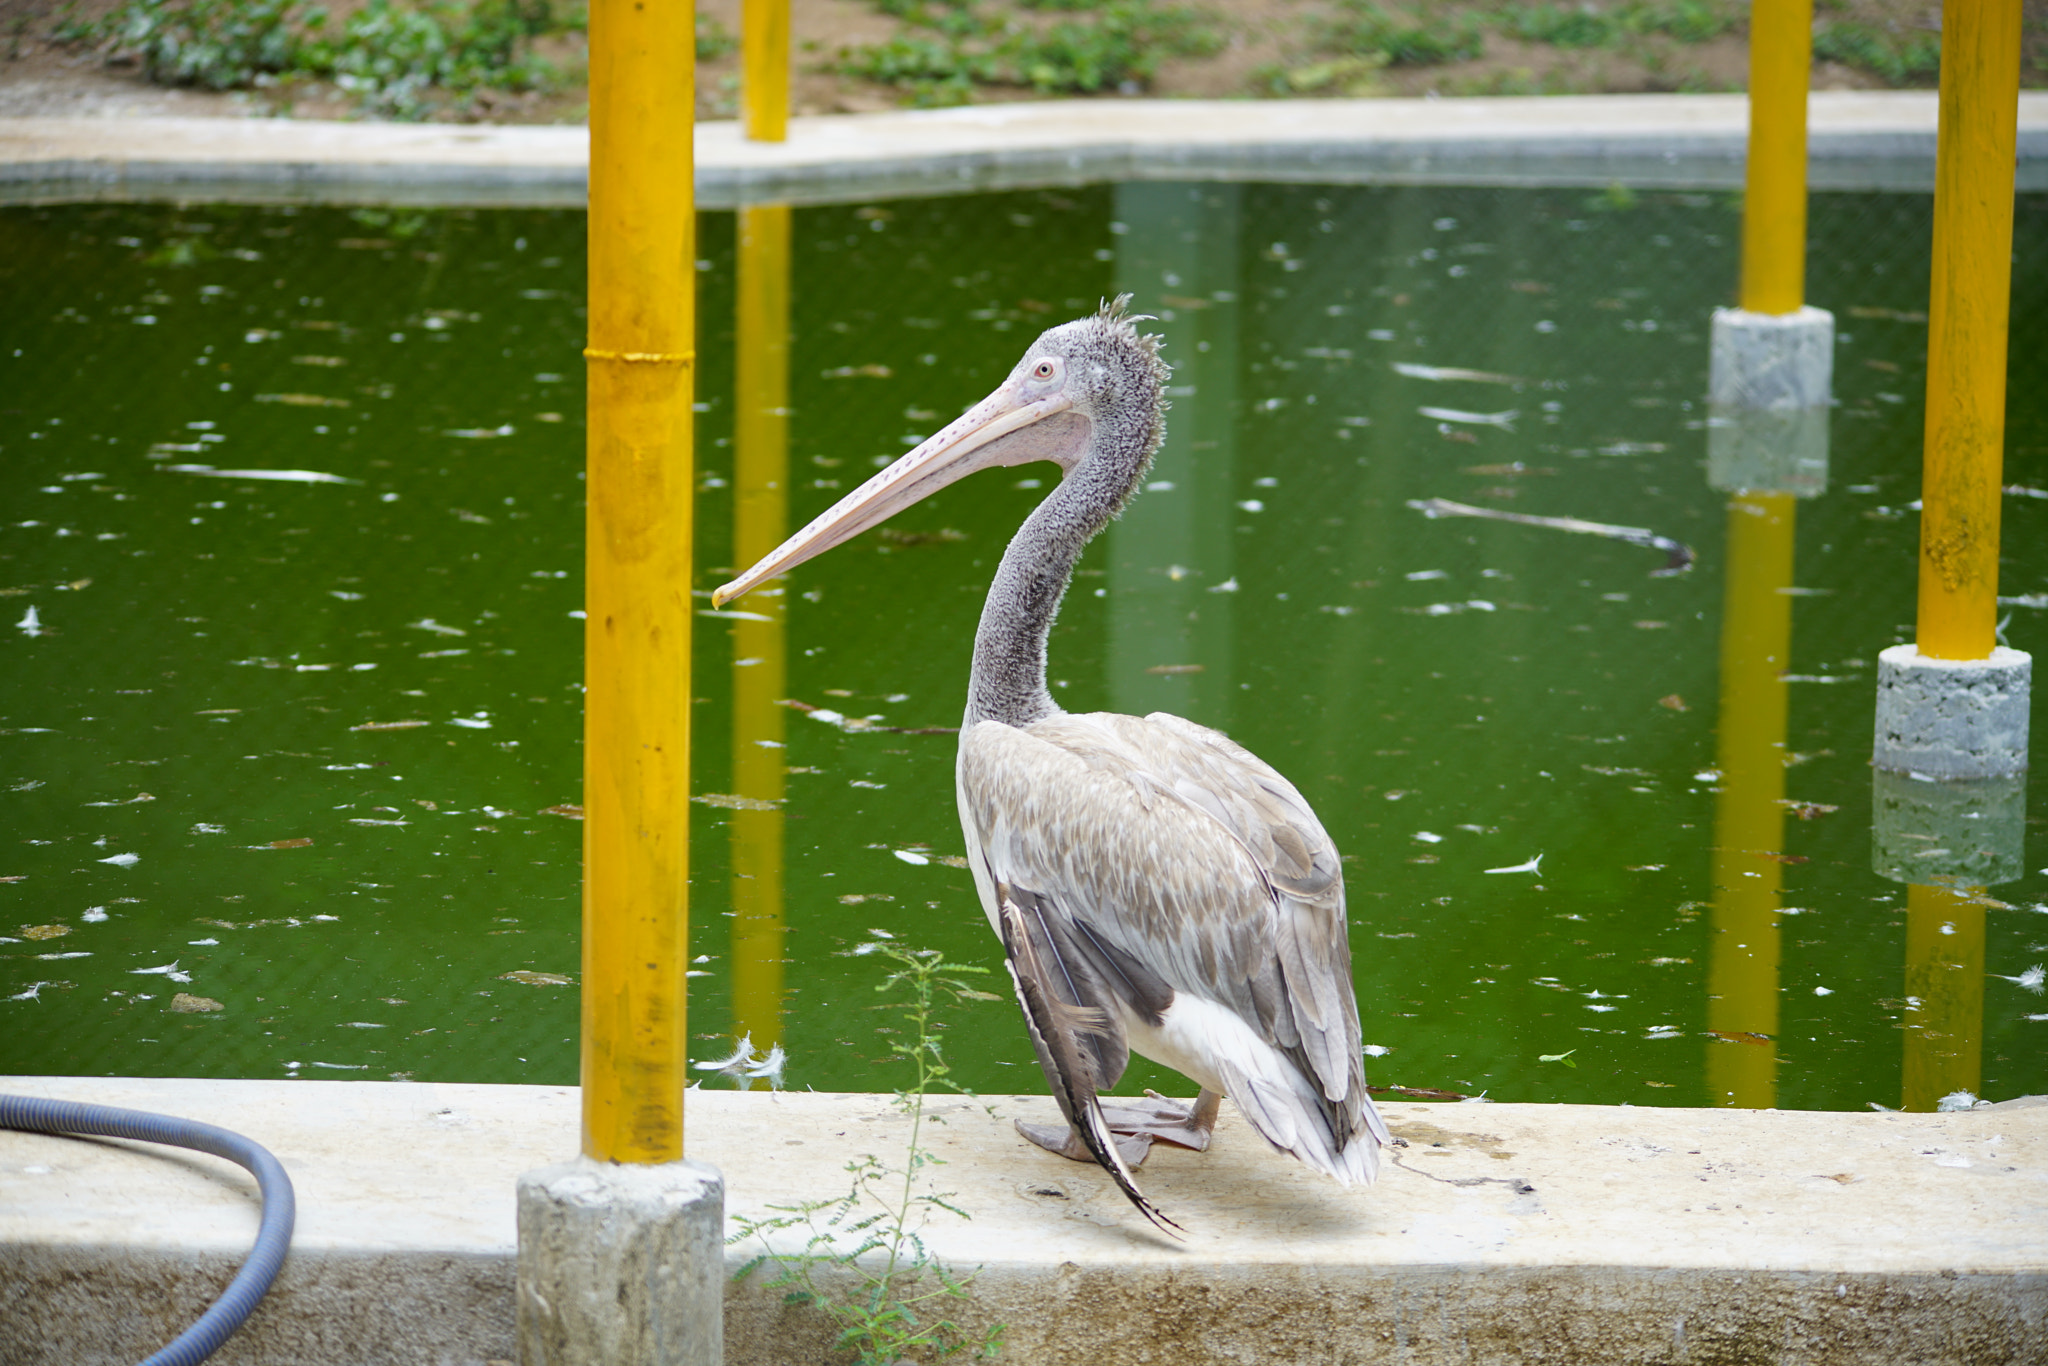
273, 1236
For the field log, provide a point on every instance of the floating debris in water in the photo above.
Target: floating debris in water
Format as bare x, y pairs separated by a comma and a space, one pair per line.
567, 811
59, 931
914, 859
30, 624
438, 628
1534, 865
123, 860
1453, 372
168, 970
1169, 670
480, 433
272, 476
854, 723
186, 1004
93, 915
1504, 420
728, 801
304, 400
390, 725
871, 371
536, 979
296, 842
1679, 556
2034, 979
1446, 609
739, 1066
1632, 448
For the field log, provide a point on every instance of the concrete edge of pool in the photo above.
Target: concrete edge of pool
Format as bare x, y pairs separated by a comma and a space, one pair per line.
1501, 1233
1860, 140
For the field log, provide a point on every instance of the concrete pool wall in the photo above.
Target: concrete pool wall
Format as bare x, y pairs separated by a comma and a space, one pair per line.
1859, 141
1501, 1234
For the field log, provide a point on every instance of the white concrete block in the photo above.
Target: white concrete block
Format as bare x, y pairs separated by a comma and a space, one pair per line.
622, 1265
1952, 718
1769, 391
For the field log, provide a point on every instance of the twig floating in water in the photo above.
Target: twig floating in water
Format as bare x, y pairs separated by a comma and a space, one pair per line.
1680, 555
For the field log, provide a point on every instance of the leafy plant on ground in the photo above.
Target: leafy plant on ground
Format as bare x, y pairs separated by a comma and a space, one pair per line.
1575, 26
387, 54
1404, 37
1895, 58
955, 47
218, 44
864, 1262
1122, 44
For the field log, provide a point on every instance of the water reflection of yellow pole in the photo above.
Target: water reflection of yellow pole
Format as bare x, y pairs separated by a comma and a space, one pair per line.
760, 667
1944, 994
636, 641
1749, 815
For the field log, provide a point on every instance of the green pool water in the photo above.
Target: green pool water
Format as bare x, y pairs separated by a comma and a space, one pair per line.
190, 806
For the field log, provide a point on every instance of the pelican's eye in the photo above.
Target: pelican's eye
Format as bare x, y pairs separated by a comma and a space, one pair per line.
1045, 369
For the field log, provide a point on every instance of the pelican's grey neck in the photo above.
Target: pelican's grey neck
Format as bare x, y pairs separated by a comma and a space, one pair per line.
1008, 682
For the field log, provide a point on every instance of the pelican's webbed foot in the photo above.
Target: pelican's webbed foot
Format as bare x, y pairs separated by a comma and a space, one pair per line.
1058, 1138
1184, 1124
1137, 1128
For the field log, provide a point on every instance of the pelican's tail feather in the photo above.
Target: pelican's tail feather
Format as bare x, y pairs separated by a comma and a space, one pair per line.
1341, 1140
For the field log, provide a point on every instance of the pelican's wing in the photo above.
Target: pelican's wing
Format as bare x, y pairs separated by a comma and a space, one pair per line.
1175, 861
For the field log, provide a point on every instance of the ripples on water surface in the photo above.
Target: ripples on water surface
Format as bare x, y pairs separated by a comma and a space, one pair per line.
291, 558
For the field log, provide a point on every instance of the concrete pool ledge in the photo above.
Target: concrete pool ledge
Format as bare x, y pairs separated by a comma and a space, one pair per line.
1860, 140
1502, 1233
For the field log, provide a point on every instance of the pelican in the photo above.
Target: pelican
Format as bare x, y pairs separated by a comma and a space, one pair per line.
1156, 887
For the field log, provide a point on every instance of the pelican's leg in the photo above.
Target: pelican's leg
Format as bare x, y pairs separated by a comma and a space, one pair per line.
1168, 1121
1058, 1138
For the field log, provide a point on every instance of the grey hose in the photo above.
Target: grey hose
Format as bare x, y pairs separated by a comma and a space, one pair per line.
273, 1236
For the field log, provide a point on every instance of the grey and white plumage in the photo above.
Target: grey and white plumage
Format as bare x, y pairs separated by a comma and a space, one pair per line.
1156, 886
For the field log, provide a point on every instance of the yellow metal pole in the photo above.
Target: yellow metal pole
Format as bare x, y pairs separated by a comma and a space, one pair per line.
1749, 814
760, 648
636, 731
1774, 193
764, 80
1944, 1021
1969, 301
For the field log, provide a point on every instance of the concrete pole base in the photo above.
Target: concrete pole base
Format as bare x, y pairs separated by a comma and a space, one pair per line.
1967, 833
621, 1265
1952, 718
1769, 391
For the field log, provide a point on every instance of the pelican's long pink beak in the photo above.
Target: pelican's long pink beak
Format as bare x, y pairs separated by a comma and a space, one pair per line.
1003, 429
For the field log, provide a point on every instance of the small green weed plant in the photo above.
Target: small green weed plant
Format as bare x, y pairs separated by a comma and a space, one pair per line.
1896, 58
397, 59
864, 1262
953, 46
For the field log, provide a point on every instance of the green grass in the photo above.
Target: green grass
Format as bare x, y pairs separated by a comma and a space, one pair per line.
1897, 59
395, 59
952, 48
1405, 37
